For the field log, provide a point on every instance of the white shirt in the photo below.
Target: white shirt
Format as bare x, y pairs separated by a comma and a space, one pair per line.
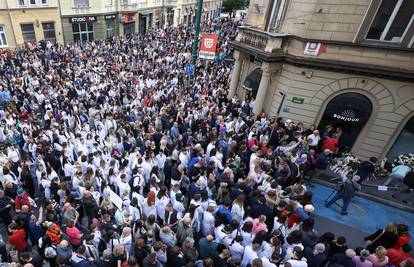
248, 256
207, 224
315, 139
236, 250
238, 211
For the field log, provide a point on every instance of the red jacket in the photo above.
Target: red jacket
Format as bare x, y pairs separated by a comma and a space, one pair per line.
18, 240
401, 241
20, 201
395, 257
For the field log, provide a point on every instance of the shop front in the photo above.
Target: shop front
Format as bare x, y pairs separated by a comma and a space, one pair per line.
83, 28
110, 24
128, 20
346, 114
146, 21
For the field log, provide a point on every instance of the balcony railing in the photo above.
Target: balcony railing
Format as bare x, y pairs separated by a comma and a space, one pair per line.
253, 38
262, 40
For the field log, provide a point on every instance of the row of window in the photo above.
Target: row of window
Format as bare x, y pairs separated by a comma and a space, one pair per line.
83, 31
24, 3
391, 22
28, 33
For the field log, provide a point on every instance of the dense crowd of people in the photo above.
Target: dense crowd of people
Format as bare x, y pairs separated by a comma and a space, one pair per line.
111, 158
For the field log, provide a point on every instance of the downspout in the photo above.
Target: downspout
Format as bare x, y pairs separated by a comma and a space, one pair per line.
61, 23
11, 23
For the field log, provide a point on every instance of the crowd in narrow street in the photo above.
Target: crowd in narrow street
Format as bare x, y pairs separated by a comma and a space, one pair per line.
110, 157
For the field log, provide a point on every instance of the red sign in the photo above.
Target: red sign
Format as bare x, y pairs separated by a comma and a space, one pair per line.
314, 49
208, 46
129, 17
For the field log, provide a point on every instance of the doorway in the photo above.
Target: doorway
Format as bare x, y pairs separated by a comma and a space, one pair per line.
347, 114
404, 143
252, 82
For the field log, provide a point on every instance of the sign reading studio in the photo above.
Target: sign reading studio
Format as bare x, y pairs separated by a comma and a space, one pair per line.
347, 115
82, 19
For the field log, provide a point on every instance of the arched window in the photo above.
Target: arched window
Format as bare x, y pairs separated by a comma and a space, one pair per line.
252, 82
345, 116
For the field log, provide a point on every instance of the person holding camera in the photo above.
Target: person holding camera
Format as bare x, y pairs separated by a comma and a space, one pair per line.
346, 191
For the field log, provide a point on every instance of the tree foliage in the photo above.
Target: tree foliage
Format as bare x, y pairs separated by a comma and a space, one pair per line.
229, 6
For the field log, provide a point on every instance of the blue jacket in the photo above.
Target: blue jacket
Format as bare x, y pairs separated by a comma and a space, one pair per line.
225, 212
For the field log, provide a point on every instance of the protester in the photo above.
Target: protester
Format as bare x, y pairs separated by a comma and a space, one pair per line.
112, 155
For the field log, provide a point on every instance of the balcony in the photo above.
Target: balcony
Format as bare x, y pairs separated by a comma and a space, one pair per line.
340, 55
265, 42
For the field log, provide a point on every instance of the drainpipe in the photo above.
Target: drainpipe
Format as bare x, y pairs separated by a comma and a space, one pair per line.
61, 22
11, 23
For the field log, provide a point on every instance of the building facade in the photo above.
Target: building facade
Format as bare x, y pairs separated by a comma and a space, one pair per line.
99, 19
347, 64
29, 21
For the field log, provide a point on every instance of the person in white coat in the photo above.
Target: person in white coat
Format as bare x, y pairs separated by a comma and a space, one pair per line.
250, 253
237, 210
208, 222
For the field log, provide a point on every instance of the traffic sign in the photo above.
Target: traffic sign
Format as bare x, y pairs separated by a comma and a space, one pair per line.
189, 69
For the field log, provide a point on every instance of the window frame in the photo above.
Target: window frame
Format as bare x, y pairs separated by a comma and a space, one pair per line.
44, 4
277, 17
35, 3
25, 32
25, 3
81, 6
368, 20
49, 30
3, 33
80, 32
110, 30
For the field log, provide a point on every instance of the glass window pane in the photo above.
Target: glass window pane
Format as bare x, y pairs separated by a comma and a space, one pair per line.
401, 21
33, 2
3, 39
82, 27
90, 36
49, 34
1, 28
27, 27
84, 37
381, 19
81, 2
76, 37
90, 27
75, 27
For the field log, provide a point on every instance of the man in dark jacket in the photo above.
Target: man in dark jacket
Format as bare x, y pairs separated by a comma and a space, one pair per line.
90, 206
262, 209
341, 259
322, 163
346, 191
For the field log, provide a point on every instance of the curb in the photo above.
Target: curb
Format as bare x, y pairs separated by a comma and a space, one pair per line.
371, 197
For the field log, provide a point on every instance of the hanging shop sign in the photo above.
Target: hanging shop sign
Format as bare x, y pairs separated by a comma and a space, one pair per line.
208, 46
82, 19
347, 115
314, 49
108, 17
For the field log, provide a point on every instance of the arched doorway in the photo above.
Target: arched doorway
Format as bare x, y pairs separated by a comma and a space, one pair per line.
404, 143
252, 82
349, 112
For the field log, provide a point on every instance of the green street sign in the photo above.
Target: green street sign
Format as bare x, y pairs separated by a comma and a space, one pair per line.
297, 100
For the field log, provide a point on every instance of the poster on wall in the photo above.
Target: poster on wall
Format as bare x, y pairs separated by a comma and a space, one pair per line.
208, 46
